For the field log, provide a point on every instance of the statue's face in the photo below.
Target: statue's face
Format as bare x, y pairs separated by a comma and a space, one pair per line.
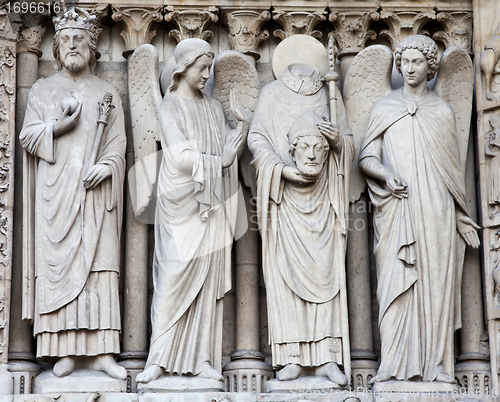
414, 67
74, 48
197, 75
310, 155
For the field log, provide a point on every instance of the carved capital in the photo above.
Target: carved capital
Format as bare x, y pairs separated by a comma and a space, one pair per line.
100, 10
457, 29
245, 32
136, 25
32, 30
403, 24
298, 22
352, 30
191, 23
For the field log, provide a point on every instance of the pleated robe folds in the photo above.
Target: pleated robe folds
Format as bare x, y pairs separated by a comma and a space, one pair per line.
303, 230
418, 250
194, 223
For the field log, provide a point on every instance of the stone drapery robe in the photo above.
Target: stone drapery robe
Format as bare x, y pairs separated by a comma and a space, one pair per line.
74, 232
303, 230
194, 226
418, 250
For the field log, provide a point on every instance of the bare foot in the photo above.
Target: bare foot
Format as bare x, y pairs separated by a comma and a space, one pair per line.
380, 377
209, 372
490, 96
289, 372
64, 366
332, 371
107, 364
443, 377
151, 373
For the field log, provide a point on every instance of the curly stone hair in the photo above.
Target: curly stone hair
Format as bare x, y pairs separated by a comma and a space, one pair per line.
425, 45
295, 141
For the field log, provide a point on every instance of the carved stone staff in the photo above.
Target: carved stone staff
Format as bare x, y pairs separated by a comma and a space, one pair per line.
104, 108
331, 78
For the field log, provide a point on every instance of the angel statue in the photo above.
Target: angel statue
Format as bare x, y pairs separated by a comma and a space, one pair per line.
413, 156
302, 151
196, 201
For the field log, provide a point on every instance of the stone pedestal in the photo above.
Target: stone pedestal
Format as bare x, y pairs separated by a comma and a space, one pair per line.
80, 380
247, 372
414, 387
175, 383
302, 385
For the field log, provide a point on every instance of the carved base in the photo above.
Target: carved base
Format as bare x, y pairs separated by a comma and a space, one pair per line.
247, 372
418, 387
167, 384
302, 384
24, 370
363, 368
134, 363
473, 372
80, 380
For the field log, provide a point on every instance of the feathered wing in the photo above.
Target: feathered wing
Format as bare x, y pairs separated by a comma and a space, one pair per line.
145, 99
235, 71
455, 85
368, 79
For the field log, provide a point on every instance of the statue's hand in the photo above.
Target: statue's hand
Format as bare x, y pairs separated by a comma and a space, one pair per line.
397, 185
67, 121
97, 174
236, 107
331, 132
231, 147
294, 175
467, 229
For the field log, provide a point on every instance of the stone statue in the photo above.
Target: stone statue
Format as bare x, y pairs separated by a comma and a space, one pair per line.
492, 150
74, 141
303, 161
413, 155
490, 63
195, 207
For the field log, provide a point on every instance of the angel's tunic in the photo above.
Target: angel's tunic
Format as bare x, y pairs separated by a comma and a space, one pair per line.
76, 230
303, 248
193, 236
418, 250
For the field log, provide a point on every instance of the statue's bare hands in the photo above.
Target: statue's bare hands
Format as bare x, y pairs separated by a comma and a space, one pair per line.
397, 185
236, 107
231, 147
67, 121
294, 175
467, 229
330, 131
97, 174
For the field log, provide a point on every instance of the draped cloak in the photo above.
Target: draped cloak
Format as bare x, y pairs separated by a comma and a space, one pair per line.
194, 223
303, 230
418, 250
71, 232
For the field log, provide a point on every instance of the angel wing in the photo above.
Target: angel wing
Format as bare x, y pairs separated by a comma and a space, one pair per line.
235, 71
455, 85
145, 99
368, 79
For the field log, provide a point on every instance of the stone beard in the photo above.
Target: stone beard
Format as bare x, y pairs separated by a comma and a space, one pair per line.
76, 231
303, 248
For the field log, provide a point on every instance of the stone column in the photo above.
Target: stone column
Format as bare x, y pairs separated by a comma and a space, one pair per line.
22, 362
473, 364
247, 371
352, 31
137, 29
